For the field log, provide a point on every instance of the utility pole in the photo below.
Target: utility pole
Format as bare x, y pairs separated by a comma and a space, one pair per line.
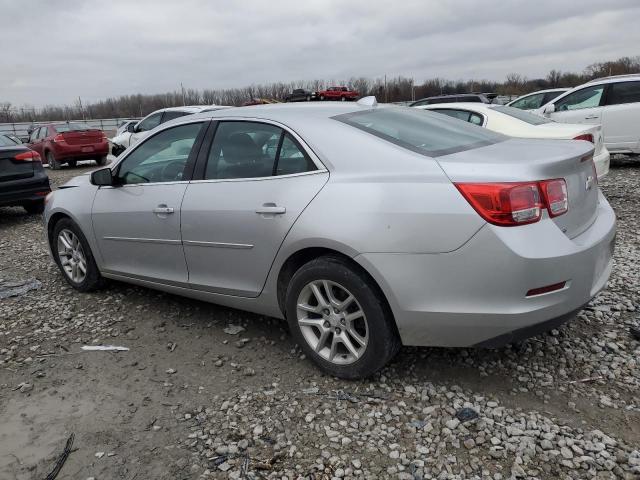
385, 88
184, 102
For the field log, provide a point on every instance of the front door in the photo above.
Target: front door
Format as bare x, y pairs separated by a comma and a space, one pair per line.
621, 116
137, 221
581, 106
257, 181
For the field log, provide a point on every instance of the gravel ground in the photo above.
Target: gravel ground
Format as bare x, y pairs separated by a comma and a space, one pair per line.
191, 401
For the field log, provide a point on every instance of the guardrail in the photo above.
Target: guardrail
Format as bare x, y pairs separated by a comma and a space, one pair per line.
21, 129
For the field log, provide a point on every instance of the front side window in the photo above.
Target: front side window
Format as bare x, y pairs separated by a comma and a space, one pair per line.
150, 123
588, 97
44, 131
161, 158
529, 103
420, 131
254, 150
173, 114
34, 135
623, 92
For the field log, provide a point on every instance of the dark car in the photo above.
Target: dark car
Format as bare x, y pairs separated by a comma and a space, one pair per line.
464, 97
23, 180
300, 95
59, 143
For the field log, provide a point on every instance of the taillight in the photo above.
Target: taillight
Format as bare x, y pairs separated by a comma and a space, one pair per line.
512, 204
587, 136
29, 156
58, 138
554, 193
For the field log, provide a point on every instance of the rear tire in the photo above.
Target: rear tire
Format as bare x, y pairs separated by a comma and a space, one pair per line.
51, 160
101, 161
78, 252
343, 99
72, 163
34, 208
321, 98
351, 341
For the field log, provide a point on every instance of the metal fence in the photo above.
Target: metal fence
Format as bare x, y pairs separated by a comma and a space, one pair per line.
21, 129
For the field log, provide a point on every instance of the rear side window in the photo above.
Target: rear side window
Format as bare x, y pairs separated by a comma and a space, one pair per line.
459, 114
623, 92
6, 142
420, 131
254, 150
150, 123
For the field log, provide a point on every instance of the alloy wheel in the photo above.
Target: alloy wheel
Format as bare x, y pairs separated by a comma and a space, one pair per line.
332, 322
71, 256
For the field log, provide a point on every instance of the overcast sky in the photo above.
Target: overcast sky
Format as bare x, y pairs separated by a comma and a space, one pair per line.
54, 52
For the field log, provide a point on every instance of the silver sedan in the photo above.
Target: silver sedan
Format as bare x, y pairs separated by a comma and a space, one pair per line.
366, 226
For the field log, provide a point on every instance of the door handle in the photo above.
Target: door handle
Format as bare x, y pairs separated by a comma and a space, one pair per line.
591, 117
163, 209
271, 208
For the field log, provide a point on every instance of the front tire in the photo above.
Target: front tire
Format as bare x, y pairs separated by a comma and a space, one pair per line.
72, 163
51, 160
321, 98
74, 258
339, 317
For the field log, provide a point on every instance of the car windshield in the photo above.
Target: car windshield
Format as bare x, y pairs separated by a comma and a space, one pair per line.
71, 127
6, 142
530, 118
424, 132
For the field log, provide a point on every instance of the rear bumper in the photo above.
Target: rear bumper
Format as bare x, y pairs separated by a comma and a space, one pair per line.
476, 295
19, 192
64, 151
602, 161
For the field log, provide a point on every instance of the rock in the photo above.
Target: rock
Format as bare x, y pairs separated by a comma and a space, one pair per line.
233, 329
466, 415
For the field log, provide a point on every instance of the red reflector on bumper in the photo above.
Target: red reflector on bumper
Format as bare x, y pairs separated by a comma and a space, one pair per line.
547, 289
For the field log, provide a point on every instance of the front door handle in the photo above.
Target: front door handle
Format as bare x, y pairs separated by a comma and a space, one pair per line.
163, 209
271, 208
591, 117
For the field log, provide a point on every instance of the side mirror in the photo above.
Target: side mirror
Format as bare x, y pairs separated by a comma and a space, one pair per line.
550, 108
131, 128
102, 177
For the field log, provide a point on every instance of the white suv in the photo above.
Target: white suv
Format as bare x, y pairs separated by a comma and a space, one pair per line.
613, 102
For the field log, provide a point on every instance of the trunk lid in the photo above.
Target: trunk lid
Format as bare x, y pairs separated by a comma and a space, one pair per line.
82, 137
12, 169
521, 160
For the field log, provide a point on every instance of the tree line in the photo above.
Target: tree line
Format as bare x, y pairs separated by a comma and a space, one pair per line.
386, 90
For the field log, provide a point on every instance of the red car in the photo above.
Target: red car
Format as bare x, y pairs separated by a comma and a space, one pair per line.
59, 143
337, 93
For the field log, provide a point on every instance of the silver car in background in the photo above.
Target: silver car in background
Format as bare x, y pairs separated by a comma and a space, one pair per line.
366, 226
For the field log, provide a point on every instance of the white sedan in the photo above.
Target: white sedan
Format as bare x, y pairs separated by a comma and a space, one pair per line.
519, 123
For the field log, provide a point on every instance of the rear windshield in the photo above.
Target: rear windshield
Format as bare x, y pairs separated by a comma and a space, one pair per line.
424, 132
530, 118
6, 142
72, 127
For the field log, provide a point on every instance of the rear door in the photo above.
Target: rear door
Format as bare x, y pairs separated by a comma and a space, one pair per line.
581, 106
137, 222
621, 116
36, 140
255, 181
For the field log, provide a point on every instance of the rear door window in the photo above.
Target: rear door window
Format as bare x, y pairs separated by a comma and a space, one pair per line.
421, 131
530, 102
459, 114
623, 92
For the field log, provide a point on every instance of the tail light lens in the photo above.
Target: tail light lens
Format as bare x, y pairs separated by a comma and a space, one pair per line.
587, 136
29, 156
512, 204
58, 138
555, 196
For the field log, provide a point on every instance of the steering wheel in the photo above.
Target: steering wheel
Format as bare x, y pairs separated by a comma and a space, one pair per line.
172, 171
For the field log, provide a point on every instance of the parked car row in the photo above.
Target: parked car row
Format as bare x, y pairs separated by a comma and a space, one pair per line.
331, 93
363, 225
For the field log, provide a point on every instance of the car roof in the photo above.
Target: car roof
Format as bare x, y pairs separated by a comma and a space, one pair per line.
475, 106
288, 111
614, 78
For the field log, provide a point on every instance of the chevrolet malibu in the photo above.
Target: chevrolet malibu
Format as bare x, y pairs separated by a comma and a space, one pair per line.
366, 226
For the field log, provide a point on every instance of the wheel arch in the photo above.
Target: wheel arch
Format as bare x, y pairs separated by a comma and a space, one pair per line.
299, 258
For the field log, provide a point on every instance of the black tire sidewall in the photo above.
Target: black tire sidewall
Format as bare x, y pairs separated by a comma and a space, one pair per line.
383, 340
52, 161
101, 161
34, 208
93, 279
